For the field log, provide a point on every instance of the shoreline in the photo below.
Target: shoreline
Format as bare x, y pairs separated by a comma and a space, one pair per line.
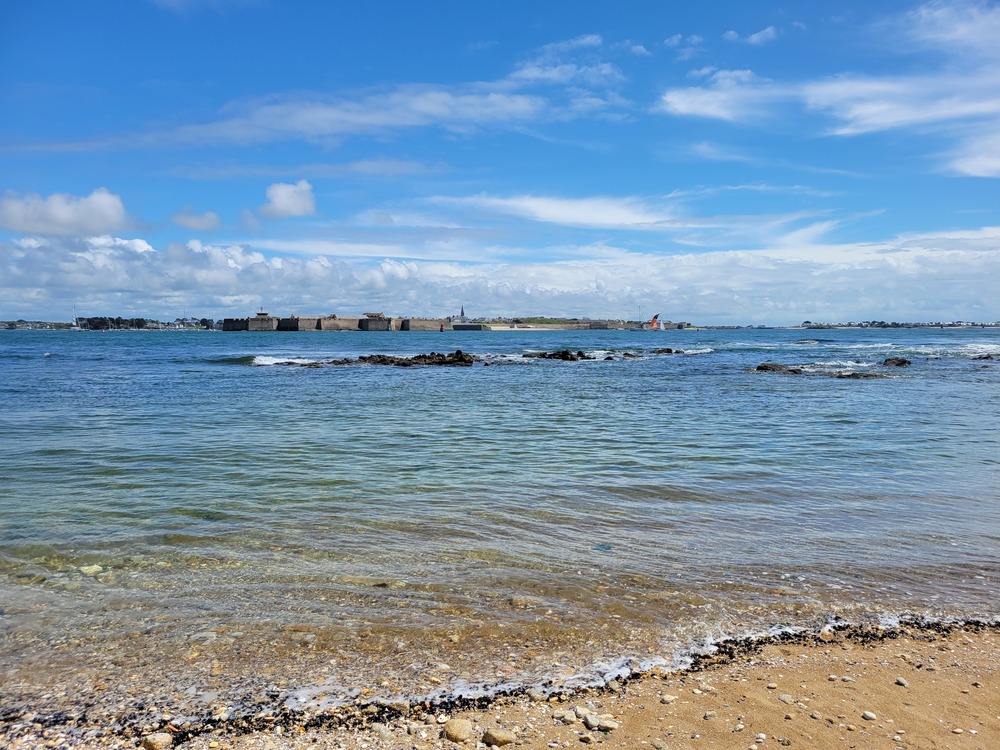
923, 681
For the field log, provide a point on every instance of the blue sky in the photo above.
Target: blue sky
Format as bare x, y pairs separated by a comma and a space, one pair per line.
719, 162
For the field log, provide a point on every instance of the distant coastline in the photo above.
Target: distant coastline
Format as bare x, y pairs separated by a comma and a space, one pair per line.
374, 322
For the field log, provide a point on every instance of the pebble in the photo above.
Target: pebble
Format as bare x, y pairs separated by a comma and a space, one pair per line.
668, 699
832, 678
761, 737
499, 737
660, 745
845, 678
587, 739
869, 716
591, 721
902, 682
956, 731
709, 715
772, 686
157, 741
815, 715
458, 730
739, 728
786, 698
93, 570
607, 725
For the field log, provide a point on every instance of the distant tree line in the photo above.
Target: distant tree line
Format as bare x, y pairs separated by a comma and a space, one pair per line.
99, 322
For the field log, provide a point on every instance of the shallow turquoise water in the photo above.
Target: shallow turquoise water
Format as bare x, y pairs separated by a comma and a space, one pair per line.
674, 497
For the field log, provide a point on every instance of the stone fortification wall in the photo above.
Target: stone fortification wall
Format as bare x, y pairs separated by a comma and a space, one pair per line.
235, 324
262, 323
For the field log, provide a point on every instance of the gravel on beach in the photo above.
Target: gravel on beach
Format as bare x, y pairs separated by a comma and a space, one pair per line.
908, 688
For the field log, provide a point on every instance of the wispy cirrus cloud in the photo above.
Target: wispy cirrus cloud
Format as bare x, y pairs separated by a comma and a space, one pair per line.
960, 102
374, 168
758, 38
207, 221
605, 212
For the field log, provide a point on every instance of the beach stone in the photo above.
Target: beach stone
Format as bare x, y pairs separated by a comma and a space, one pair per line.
157, 741
660, 745
709, 715
869, 716
902, 682
499, 737
668, 699
383, 732
91, 570
536, 696
458, 730
786, 698
592, 721
607, 725
587, 739
772, 686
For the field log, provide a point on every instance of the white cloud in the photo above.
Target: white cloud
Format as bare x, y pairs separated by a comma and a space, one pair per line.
286, 200
61, 214
612, 213
764, 36
204, 222
965, 29
960, 102
733, 95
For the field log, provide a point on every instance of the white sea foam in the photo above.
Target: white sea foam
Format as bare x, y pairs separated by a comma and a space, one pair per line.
265, 361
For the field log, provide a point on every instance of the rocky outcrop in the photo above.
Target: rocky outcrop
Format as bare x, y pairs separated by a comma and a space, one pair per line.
564, 355
775, 367
896, 362
458, 358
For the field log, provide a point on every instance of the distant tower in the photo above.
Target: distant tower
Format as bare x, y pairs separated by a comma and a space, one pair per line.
461, 315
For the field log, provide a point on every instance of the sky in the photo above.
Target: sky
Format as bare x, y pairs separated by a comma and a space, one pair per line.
720, 162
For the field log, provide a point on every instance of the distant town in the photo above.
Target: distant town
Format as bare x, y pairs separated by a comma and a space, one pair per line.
263, 321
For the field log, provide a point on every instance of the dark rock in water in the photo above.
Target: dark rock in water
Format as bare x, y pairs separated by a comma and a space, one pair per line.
564, 355
775, 367
896, 362
456, 359
985, 356
665, 350
630, 355
609, 358
858, 375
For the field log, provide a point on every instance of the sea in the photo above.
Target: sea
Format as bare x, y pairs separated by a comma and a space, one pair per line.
200, 513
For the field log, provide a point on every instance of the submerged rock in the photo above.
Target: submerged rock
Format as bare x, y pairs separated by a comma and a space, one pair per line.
896, 362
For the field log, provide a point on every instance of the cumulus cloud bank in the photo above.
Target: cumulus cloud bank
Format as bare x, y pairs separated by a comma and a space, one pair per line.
62, 215
911, 277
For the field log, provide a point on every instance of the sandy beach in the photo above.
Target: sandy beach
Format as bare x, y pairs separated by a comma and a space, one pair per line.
912, 687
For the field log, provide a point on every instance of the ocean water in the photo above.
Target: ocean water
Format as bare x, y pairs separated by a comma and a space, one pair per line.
232, 505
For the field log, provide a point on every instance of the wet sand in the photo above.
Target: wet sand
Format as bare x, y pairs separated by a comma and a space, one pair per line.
930, 686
